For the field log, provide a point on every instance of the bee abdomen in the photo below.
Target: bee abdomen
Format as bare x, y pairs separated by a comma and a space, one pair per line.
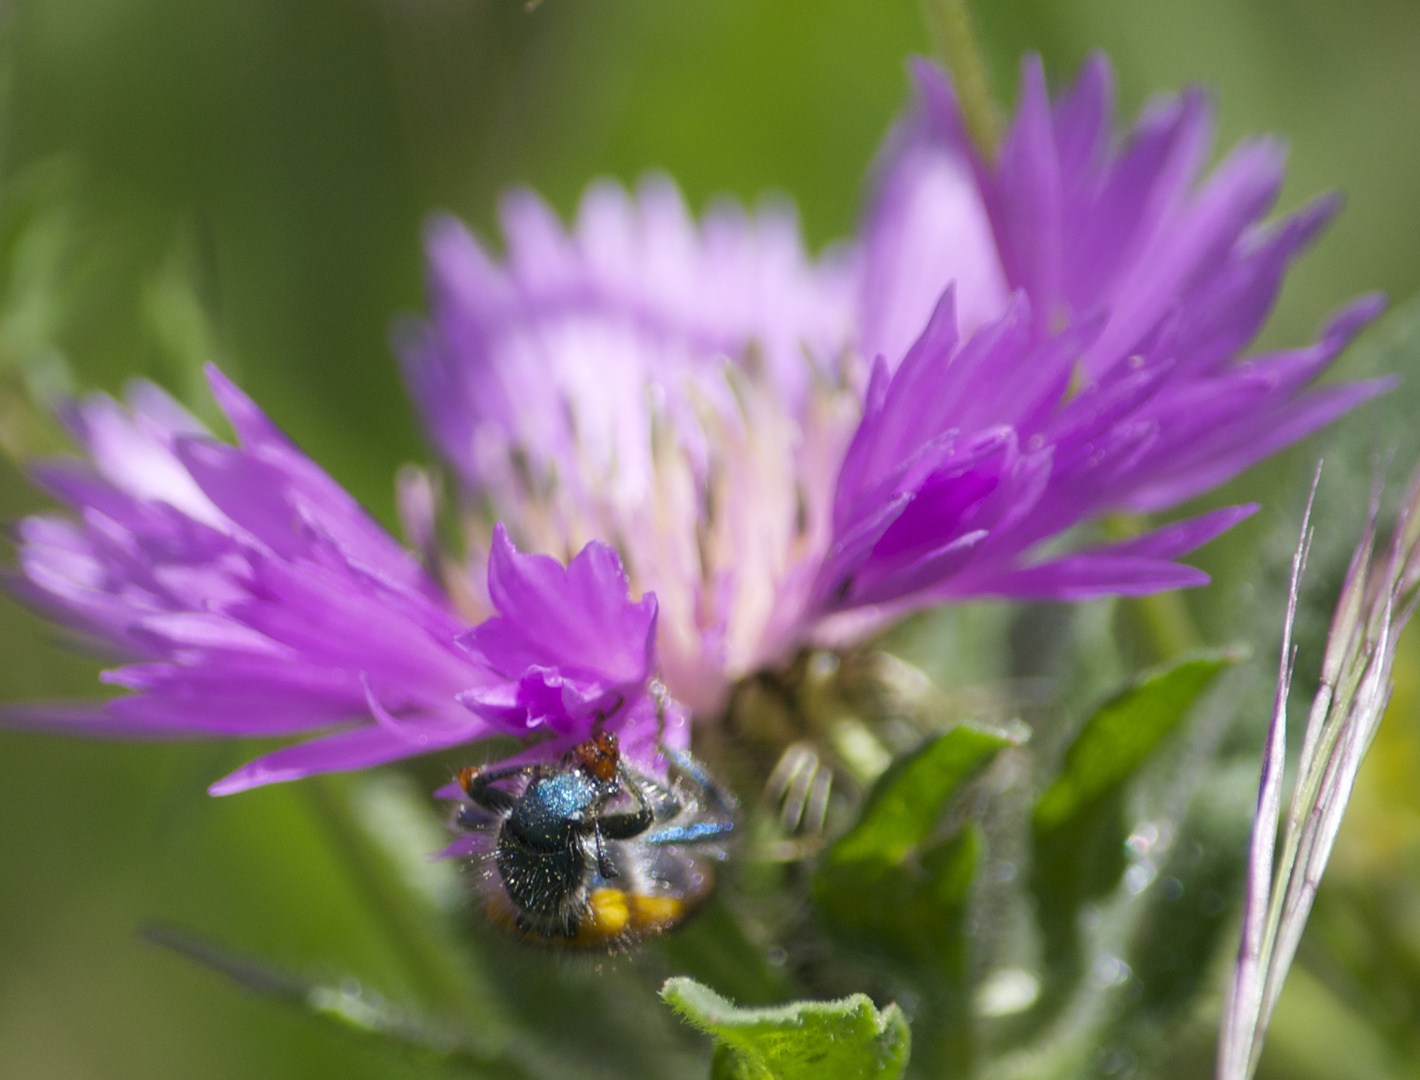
549, 888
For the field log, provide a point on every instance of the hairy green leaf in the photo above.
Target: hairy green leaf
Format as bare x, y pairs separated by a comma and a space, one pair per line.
1117, 739
1078, 823
898, 883
1188, 912
907, 802
812, 1040
888, 883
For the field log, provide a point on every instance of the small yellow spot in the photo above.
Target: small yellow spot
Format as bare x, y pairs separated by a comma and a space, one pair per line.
607, 916
653, 914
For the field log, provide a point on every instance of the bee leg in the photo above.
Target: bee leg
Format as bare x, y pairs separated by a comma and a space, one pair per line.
721, 801
718, 801
604, 865
478, 785
603, 715
697, 832
625, 825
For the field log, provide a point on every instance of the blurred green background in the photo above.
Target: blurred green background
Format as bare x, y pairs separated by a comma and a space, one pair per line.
246, 180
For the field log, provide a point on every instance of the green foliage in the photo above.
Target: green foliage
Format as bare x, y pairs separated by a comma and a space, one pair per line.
897, 886
715, 947
891, 882
805, 1040
898, 899
1190, 909
349, 1009
1120, 735
906, 803
1078, 825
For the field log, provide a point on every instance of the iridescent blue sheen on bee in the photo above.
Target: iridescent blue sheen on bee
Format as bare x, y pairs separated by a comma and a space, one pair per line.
591, 853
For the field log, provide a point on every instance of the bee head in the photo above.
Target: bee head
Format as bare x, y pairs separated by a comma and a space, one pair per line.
599, 756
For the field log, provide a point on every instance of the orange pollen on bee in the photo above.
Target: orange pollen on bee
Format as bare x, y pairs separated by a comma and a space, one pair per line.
614, 919
608, 917
654, 914
614, 916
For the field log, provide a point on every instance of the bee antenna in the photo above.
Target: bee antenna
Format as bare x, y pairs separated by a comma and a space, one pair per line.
599, 718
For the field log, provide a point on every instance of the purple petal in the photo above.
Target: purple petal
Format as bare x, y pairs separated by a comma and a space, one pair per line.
1082, 120
1181, 537
89, 720
1196, 244
1281, 428
1089, 577
1111, 221
1227, 311
927, 228
580, 617
542, 698
254, 429
253, 696
464, 846
346, 751
1029, 219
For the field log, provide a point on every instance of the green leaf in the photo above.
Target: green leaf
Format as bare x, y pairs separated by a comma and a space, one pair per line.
907, 802
898, 886
912, 911
1190, 912
884, 884
1118, 738
812, 1040
1078, 824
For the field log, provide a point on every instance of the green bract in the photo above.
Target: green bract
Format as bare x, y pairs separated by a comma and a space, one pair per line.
1078, 823
812, 1040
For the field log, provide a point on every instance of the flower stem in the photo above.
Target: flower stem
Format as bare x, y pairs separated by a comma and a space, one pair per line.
954, 41
1169, 625
1164, 617
431, 959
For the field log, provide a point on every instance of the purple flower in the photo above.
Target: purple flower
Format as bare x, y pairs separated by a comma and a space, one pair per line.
555, 365
678, 390
782, 450
253, 597
790, 451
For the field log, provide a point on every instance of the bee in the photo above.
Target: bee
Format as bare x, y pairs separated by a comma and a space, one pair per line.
589, 853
